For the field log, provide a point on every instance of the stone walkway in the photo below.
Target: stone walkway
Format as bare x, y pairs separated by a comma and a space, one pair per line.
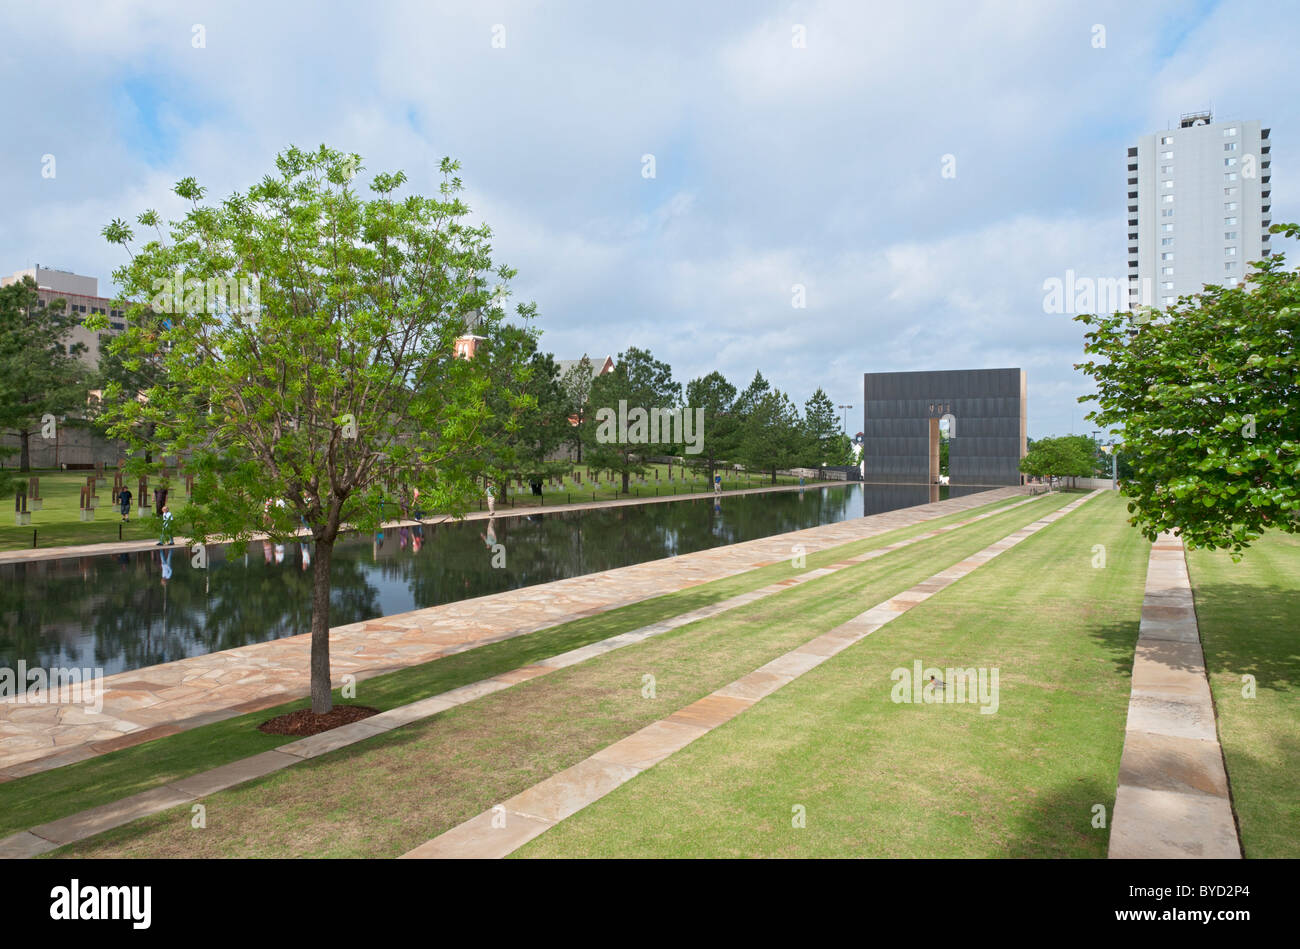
161, 700
97, 820
504, 828
1172, 799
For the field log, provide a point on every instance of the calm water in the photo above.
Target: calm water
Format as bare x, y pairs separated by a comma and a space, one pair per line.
127, 611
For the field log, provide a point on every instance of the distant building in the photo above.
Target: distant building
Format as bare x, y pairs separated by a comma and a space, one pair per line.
81, 297
1199, 207
598, 366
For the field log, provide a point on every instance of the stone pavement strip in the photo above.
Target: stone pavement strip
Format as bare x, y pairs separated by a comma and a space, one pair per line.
1172, 799
504, 828
144, 704
96, 820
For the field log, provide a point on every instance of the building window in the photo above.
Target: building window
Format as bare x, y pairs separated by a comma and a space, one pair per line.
1169, 301
1166, 241
1169, 183
1229, 235
1166, 169
1230, 252
1229, 264
1230, 205
1166, 227
1166, 155
118, 326
1232, 281
1167, 140
1166, 271
1167, 256
1230, 176
1229, 133
1167, 285
1166, 212
1230, 191
1169, 199
1229, 162
1229, 221
1230, 147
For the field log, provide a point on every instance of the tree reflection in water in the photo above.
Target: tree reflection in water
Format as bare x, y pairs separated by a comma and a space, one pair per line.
128, 611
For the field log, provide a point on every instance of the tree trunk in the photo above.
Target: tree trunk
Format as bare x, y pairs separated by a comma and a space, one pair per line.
774, 476
625, 476
25, 458
321, 698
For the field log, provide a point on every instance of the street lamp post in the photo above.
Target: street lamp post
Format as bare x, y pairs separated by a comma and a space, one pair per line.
845, 413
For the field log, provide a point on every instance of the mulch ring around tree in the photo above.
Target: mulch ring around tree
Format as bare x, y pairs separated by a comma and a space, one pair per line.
304, 722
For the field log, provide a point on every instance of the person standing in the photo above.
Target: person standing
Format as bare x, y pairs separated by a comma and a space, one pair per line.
166, 537
491, 501
124, 502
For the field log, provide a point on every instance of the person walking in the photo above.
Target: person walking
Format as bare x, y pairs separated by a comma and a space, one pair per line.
124, 502
166, 537
491, 501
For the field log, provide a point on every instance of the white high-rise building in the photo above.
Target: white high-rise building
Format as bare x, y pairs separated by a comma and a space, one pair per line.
1199, 207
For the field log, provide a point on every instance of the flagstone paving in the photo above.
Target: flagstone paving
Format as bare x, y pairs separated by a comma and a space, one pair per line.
1172, 799
144, 704
96, 820
504, 828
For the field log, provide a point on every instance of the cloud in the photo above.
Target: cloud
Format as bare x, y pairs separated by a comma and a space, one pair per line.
775, 165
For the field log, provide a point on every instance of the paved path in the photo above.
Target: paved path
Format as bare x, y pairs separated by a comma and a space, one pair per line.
504, 828
1172, 799
506, 510
96, 820
161, 700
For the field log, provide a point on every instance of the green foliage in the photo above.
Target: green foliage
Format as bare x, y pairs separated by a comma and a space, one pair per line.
38, 375
821, 431
717, 397
577, 388
1067, 456
1206, 399
295, 344
639, 381
771, 434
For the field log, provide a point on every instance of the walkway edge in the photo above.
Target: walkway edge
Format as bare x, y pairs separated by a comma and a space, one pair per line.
1172, 797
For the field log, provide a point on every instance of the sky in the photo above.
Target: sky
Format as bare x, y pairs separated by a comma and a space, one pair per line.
794, 145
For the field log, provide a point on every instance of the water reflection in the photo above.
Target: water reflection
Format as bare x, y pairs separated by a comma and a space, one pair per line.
126, 611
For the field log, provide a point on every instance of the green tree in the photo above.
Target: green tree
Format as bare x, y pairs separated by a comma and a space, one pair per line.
639, 382
771, 436
717, 397
821, 429
519, 442
577, 386
327, 387
1205, 397
1067, 456
39, 375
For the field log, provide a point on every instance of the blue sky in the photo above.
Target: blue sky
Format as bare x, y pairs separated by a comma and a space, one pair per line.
775, 165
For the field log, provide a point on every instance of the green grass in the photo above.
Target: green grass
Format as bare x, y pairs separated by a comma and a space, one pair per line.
1249, 614
59, 524
384, 795
879, 779
49, 795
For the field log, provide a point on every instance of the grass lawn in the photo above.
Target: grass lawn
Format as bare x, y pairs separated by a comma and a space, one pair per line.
1249, 614
59, 524
879, 779
49, 795
385, 795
